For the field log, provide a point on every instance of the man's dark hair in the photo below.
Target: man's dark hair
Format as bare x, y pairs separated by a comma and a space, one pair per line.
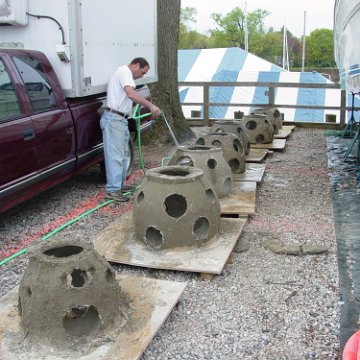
141, 61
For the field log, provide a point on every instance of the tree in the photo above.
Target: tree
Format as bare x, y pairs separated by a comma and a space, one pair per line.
320, 48
232, 26
188, 38
165, 92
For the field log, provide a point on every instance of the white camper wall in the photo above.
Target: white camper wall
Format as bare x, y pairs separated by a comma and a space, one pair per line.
100, 35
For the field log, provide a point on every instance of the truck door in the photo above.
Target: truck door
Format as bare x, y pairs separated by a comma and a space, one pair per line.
54, 129
17, 147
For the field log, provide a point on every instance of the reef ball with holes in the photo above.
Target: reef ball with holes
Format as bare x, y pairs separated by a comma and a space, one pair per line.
259, 129
235, 127
209, 159
273, 114
68, 293
231, 146
176, 207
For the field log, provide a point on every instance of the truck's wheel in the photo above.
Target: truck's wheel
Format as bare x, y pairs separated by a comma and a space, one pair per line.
130, 162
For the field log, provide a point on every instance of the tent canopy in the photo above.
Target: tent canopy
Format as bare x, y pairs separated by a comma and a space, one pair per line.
238, 65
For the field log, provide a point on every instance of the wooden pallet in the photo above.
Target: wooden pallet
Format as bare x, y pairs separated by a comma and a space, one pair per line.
284, 132
276, 144
256, 155
253, 172
241, 200
117, 244
151, 301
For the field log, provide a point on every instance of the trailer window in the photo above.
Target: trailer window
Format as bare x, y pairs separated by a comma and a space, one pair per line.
36, 83
9, 102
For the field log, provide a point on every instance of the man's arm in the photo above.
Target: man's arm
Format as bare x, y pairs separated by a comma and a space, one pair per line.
138, 99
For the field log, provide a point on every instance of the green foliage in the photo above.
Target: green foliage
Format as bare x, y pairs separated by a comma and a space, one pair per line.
230, 32
188, 16
320, 48
232, 26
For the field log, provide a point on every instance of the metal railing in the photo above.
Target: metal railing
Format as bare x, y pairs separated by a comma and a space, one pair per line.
271, 86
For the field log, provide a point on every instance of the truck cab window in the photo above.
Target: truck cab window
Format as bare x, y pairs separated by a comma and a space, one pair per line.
36, 83
9, 103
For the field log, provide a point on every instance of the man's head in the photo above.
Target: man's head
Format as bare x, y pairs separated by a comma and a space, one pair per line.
139, 67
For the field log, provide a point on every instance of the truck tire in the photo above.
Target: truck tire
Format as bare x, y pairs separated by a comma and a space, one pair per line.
130, 162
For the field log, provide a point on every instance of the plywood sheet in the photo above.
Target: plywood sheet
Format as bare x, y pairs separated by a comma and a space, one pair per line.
117, 244
284, 132
151, 302
256, 155
253, 172
276, 144
241, 200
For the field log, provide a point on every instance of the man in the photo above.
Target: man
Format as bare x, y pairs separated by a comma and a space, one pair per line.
121, 95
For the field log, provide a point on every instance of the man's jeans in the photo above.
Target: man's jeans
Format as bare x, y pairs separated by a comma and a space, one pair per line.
116, 151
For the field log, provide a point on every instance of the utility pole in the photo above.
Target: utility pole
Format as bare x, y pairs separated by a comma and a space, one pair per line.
246, 29
303, 47
285, 59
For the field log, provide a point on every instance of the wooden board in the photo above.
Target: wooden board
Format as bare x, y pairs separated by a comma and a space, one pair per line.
276, 144
256, 155
117, 244
253, 172
151, 302
284, 132
241, 200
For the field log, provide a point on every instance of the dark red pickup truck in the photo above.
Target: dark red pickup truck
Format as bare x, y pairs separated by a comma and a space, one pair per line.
45, 138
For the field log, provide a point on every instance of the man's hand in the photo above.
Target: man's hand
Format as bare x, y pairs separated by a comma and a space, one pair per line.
155, 111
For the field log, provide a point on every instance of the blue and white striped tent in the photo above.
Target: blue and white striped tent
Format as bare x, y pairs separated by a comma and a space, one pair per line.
236, 65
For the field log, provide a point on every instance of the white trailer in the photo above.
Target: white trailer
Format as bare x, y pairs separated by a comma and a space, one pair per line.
85, 40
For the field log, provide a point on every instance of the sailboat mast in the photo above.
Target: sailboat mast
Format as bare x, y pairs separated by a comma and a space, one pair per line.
303, 48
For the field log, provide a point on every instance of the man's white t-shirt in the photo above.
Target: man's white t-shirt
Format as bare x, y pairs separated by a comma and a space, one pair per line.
116, 95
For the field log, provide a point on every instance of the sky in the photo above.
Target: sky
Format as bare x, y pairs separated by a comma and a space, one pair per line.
319, 13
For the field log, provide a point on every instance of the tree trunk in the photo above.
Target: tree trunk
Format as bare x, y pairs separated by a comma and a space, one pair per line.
165, 92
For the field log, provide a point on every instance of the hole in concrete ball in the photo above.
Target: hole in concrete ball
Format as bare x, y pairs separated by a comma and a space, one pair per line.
201, 228
200, 147
251, 125
234, 165
175, 205
174, 172
109, 276
259, 139
81, 320
212, 164
210, 195
200, 141
140, 198
239, 130
226, 186
185, 161
237, 146
64, 251
78, 278
216, 143
28, 291
154, 238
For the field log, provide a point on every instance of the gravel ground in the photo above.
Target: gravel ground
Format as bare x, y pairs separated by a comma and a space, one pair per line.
264, 305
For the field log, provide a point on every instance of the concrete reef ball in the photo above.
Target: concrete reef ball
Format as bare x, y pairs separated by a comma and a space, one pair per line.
210, 160
175, 207
235, 127
231, 146
259, 129
68, 293
273, 114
